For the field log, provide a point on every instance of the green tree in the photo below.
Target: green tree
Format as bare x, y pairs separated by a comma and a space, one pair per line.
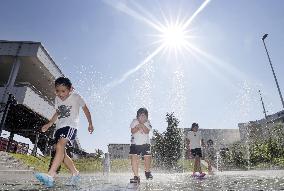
261, 151
173, 142
158, 149
167, 148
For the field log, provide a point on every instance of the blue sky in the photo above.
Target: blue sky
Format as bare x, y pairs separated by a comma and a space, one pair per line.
96, 42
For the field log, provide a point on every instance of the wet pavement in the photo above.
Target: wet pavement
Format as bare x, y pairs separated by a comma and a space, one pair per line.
229, 180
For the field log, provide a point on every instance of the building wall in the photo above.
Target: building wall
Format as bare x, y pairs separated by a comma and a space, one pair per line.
31, 99
220, 137
260, 129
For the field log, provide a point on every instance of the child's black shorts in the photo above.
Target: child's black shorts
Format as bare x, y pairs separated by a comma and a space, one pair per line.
196, 152
66, 133
140, 149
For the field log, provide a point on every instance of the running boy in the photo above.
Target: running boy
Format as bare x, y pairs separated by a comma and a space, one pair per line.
67, 105
140, 144
195, 142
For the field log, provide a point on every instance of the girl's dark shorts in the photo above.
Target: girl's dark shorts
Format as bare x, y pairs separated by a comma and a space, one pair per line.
140, 149
196, 152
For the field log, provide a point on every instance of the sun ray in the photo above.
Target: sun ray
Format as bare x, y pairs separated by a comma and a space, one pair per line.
125, 9
210, 67
166, 21
133, 70
187, 23
217, 63
150, 16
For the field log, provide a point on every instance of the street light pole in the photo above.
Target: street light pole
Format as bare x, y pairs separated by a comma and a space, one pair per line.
279, 91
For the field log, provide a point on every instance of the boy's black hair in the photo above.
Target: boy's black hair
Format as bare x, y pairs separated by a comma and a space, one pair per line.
210, 142
194, 125
142, 110
63, 81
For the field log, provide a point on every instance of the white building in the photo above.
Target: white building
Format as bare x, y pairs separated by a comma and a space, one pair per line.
28, 72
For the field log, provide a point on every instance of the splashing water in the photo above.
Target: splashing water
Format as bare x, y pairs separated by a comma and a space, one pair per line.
143, 86
177, 94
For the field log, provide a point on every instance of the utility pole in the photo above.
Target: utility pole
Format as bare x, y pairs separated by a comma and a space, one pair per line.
279, 91
264, 110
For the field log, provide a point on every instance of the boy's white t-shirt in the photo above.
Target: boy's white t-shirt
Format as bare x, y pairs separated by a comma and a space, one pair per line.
68, 111
140, 138
195, 139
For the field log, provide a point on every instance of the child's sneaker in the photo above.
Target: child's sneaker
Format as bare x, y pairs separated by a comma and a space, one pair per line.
73, 180
202, 174
136, 179
45, 179
148, 175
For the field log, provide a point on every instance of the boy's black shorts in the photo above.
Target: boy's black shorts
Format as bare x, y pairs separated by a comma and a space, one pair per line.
66, 133
196, 152
140, 149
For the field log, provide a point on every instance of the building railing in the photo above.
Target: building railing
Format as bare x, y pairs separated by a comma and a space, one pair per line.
15, 147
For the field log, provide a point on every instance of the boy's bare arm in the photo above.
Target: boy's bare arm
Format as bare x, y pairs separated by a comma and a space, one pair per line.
135, 129
144, 128
89, 118
50, 123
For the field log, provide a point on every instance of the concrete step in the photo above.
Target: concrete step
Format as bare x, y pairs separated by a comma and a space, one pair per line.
15, 172
9, 167
6, 158
4, 168
16, 167
8, 162
2, 153
11, 161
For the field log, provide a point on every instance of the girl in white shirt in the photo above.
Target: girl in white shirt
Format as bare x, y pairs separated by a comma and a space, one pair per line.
195, 143
140, 144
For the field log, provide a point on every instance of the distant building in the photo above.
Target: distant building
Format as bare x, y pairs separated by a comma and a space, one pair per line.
118, 151
260, 129
220, 137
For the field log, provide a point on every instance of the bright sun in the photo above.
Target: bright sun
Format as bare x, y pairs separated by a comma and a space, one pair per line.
174, 37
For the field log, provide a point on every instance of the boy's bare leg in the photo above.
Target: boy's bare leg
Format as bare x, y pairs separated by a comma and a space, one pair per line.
147, 162
134, 164
70, 165
59, 156
197, 164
